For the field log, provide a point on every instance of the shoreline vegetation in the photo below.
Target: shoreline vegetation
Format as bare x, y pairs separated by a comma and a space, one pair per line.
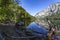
10, 14
11, 11
14, 16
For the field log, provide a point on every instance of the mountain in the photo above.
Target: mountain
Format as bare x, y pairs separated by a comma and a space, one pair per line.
52, 12
10, 10
54, 8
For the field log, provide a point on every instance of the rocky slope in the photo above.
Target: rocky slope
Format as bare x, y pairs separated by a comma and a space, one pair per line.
54, 8
52, 12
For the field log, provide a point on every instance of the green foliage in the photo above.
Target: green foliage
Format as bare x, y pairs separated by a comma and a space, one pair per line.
4, 3
55, 18
9, 10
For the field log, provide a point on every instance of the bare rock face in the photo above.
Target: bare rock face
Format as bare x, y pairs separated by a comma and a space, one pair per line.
54, 8
52, 12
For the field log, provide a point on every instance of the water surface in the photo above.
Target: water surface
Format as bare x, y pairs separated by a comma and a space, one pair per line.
37, 29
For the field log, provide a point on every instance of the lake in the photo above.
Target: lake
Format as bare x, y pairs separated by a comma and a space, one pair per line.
37, 30
40, 31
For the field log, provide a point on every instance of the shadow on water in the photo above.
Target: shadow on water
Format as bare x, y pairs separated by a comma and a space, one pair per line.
15, 31
9, 31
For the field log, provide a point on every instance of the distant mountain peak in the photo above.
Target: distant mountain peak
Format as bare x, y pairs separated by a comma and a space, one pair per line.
49, 10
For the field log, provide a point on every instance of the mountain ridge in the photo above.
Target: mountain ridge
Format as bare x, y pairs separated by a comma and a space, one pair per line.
50, 8
51, 12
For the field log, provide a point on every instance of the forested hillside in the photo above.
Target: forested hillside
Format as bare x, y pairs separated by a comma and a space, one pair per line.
10, 10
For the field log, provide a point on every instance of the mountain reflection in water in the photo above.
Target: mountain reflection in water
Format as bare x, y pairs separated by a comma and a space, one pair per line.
40, 31
37, 30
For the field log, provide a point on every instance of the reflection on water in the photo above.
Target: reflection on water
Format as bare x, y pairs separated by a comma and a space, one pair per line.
37, 29
40, 31
27, 22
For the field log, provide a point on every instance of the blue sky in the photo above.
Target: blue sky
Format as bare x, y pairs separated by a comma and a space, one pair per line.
35, 6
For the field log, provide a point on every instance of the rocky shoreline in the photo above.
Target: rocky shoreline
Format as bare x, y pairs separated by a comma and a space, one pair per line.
9, 31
